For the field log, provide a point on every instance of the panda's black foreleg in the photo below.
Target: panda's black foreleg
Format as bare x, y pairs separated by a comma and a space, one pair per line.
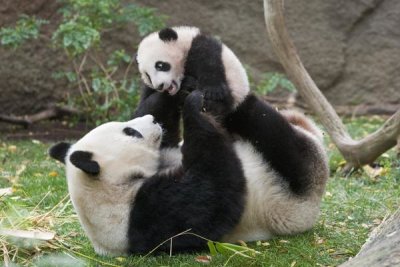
271, 134
166, 111
206, 198
202, 134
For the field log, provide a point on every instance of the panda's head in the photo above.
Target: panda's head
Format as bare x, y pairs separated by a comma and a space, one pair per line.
162, 55
113, 152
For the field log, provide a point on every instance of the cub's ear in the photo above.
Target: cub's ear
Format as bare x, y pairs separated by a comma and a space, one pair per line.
59, 151
168, 35
83, 160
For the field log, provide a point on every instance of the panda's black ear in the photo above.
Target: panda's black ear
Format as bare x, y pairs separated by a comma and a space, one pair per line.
83, 160
168, 34
59, 151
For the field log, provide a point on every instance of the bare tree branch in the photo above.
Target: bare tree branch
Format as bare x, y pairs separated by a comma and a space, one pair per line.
356, 153
52, 111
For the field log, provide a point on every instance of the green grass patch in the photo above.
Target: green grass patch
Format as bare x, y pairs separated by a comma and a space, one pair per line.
351, 208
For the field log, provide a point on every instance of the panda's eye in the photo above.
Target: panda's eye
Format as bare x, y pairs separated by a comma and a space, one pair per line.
132, 132
162, 66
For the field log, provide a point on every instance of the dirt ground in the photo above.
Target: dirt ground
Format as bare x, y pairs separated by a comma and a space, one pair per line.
45, 131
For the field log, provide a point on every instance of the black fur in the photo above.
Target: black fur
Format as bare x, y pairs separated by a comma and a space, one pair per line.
168, 35
166, 111
286, 150
59, 151
206, 196
204, 62
83, 160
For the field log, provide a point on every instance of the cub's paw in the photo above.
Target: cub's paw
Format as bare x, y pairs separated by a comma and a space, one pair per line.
189, 84
194, 101
215, 93
218, 103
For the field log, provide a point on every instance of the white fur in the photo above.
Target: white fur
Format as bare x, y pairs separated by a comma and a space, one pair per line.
103, 202
170, 160
236, 75
270, 208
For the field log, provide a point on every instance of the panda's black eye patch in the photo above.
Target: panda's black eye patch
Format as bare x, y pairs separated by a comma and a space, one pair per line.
132, 132
162, 66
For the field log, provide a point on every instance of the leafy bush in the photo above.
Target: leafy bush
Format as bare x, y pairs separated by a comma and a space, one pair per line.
25, 29
106, 85
272, 81
269, 82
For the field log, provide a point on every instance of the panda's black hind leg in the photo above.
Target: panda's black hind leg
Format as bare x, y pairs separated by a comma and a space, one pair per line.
289, 153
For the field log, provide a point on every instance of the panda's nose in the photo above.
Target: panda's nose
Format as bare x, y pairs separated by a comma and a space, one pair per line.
160, 87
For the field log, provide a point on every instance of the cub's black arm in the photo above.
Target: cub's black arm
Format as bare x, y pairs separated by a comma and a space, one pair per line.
204, 62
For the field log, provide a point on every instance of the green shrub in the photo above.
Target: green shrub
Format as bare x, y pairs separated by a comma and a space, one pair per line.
26, 28
107, 88
272, 81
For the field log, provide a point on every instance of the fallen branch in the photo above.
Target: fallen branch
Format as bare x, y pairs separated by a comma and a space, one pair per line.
356, 153
34, 234
51, 112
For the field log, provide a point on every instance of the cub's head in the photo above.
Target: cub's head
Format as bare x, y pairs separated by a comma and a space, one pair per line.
162, 55
113, 152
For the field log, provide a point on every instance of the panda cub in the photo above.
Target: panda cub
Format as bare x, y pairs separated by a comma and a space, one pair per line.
172, 57
130, 198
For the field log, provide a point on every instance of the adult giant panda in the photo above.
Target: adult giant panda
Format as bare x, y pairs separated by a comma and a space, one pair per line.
173, 56
130, 198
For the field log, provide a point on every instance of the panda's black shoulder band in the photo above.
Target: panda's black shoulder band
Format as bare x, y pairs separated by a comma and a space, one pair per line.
168, 34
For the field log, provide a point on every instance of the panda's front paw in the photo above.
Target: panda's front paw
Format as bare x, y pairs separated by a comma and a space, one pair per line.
217, 101
194, 101
216, 93
189, 84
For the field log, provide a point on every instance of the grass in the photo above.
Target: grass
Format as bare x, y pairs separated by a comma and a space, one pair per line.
351, 208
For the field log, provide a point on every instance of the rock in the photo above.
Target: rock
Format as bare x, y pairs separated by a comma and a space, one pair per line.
382, 247
351, 48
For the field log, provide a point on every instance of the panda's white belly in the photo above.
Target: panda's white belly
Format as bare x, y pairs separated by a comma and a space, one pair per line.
103, 212
270, 208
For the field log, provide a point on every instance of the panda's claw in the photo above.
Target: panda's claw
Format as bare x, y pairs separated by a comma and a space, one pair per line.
189, 83
194, 101
215, 93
